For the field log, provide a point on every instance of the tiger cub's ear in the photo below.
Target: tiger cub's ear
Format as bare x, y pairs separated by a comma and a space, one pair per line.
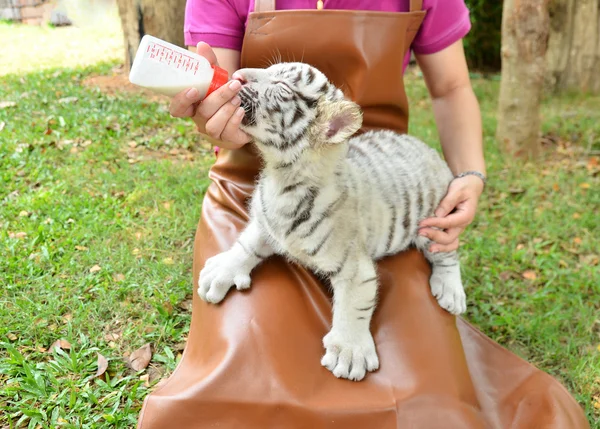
337, 121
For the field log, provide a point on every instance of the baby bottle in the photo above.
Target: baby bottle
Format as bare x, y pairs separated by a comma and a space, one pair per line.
168, 69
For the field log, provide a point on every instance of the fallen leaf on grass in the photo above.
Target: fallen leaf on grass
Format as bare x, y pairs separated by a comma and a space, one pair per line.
68, 100
140, 358
6, 104
24, 213
12, 337
95, 269
520, 246
529, 275
185, 305
118, 277
598, 347
81, 248
17, 234
516, 191
60, 344
577, 240
584, 186
102, 365
67, 318
576, 215
145, 378
111, 336
2, 125
168, 261
556, 187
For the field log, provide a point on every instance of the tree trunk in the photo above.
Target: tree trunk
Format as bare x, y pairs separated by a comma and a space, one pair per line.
525, 28
162, 19
573, 59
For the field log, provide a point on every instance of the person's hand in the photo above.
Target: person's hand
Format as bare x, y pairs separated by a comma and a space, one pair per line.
219, 115
454, 213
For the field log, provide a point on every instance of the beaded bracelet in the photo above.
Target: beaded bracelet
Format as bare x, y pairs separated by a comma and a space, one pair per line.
472, 173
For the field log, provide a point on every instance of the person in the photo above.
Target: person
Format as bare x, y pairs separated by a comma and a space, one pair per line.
254, 360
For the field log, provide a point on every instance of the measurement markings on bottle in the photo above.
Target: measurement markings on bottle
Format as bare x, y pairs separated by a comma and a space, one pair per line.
168, 56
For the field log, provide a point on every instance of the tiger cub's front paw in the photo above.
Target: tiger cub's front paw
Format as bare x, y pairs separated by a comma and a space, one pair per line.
350, 356
221, 273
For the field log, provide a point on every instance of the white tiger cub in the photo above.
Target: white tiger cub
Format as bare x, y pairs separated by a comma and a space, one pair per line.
333, 203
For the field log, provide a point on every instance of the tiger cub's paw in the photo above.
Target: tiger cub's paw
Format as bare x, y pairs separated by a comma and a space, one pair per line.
221, 273
350, 356
447, 288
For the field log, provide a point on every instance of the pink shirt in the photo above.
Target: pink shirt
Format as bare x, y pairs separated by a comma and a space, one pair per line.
221, 23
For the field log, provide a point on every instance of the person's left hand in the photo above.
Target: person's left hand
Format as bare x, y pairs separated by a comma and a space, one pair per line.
454, 213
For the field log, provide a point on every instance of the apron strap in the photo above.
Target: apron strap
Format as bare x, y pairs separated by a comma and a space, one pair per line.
265, 5
269, 5
416, 5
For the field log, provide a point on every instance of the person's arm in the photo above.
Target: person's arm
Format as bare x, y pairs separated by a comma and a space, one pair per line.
219, 115
458, 120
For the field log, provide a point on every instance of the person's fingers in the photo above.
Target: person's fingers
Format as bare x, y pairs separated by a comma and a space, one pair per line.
183, 105
461, 217
441, 237
211, 104
232, 133
436, 248
449, 202
216, 124
207, 52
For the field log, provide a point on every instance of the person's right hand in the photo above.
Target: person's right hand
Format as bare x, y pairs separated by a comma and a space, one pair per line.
219, 115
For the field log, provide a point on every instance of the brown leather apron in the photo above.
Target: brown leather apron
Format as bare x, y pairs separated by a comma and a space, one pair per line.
253, 362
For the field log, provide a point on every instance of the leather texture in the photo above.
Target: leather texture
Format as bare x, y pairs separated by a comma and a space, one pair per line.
253, 362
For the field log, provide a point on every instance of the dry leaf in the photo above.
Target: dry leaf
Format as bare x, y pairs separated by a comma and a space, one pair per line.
146, 379
516, 191
140, 358
12, 337
529, 275
81, 248
132, 144
24, 213
102, 365
68, 100
556, 187
167, 205
67, 318
138, 235
585, 186
59, 344
576, 215
95, 269
168, 261
6, 104
520, 246
118, 277
17, 234
577, 240
2, 125
111, 336
185, 305
135, 251
598, 347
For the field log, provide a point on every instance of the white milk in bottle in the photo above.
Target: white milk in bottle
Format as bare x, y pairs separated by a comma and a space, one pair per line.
168, 69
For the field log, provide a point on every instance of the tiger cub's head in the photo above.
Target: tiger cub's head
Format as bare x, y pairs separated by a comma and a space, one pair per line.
292, 107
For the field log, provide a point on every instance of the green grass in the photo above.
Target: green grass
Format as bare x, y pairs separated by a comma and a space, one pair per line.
113, 181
